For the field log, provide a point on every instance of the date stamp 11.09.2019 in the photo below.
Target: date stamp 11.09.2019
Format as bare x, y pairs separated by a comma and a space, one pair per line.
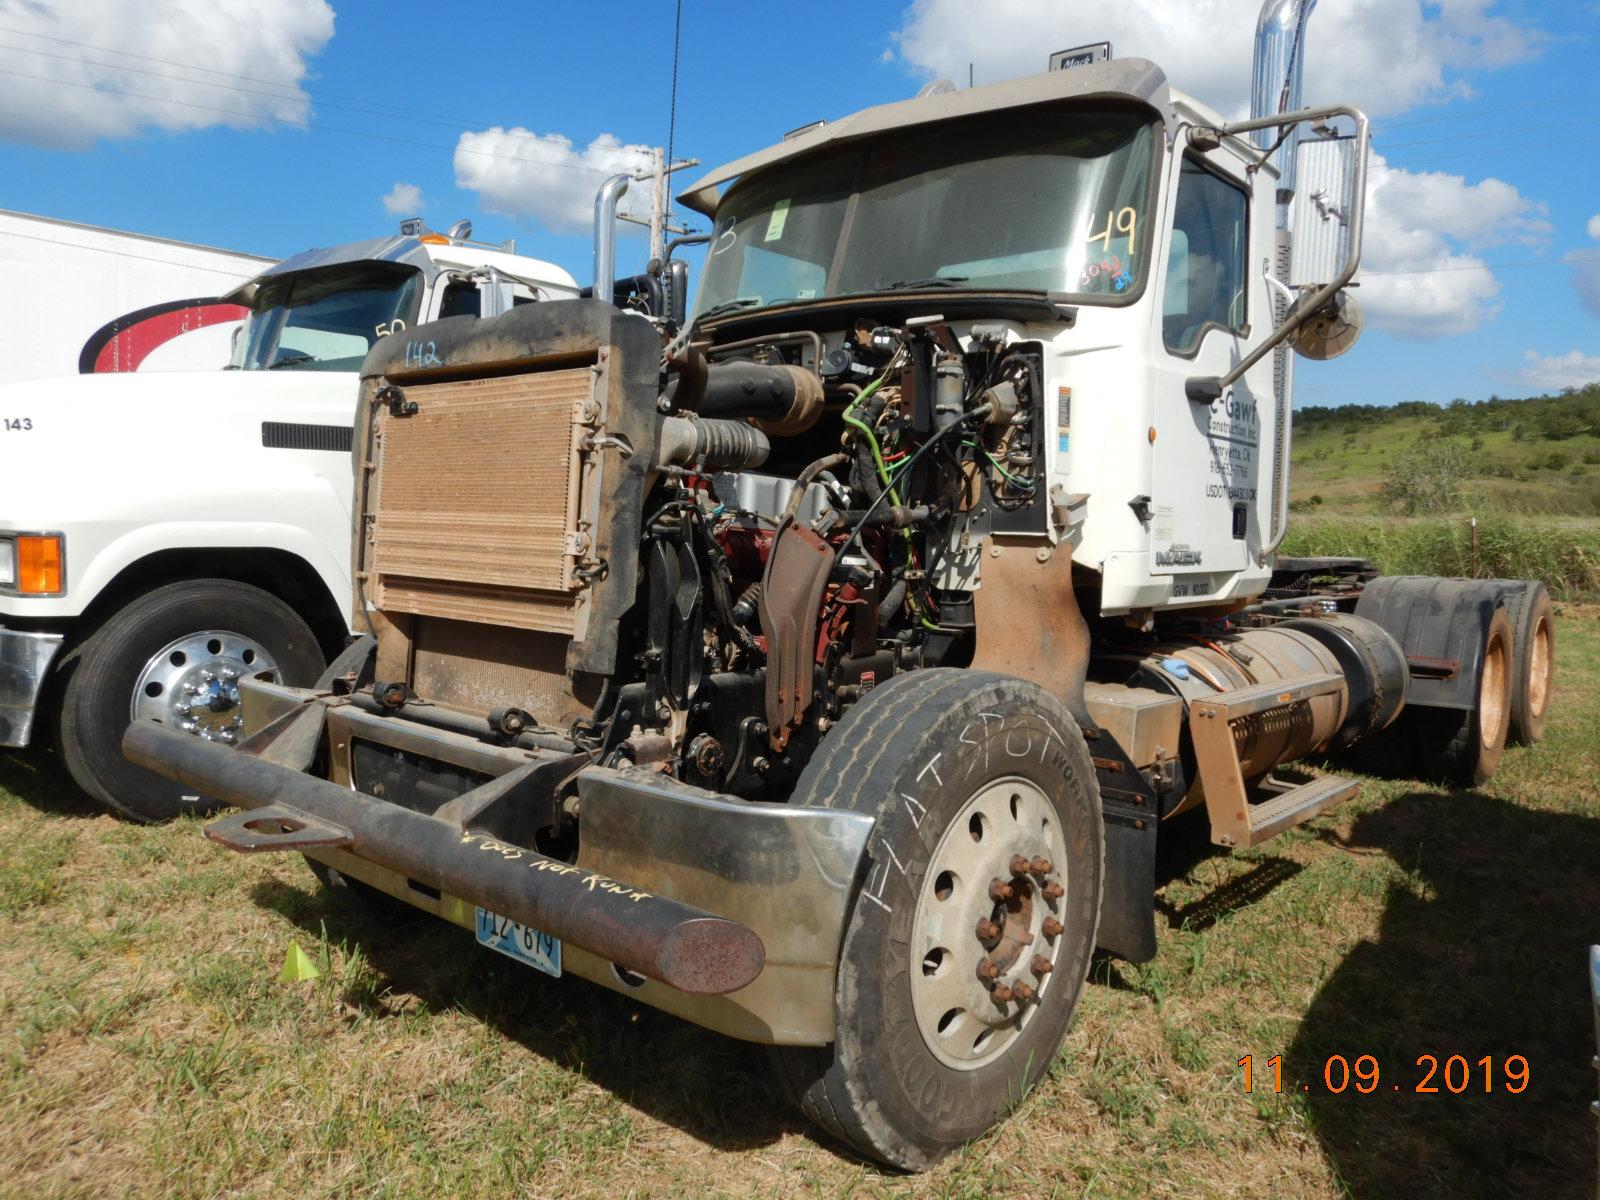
1366, 1075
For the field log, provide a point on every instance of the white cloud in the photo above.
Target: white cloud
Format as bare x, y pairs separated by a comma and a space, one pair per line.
1420, 278
56, 92
1554, 372
403, 200
546, 177
1387, 55
1586, 271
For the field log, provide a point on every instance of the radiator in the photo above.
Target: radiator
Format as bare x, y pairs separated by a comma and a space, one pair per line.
476, 501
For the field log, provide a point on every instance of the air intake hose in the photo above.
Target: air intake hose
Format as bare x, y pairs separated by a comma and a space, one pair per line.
782, 400
712, 445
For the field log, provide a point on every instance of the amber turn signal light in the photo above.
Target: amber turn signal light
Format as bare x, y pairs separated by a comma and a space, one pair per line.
41, 565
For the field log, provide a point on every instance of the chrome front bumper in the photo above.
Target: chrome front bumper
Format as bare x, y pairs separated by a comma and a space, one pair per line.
788, 873
25, 660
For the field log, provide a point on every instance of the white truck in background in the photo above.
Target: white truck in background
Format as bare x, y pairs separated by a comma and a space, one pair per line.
69, 290
164, 534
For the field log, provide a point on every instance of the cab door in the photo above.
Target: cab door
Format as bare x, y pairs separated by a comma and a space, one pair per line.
1211, 461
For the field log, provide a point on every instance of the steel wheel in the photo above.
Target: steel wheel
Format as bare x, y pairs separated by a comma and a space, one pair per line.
192, 683
988, 921
1533, 661
1494, 692
1542, 656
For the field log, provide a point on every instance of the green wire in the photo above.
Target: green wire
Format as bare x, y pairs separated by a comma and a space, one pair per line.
995, 463
888, 482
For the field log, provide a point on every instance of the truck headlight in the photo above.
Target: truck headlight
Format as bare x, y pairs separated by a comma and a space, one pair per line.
33, 564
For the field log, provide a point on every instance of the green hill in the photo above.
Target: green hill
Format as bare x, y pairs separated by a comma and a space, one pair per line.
1535, 457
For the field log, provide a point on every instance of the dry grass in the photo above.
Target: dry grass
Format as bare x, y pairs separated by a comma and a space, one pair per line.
147, 1048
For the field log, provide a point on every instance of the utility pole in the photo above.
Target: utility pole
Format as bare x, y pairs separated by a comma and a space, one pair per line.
657, 173
658, 203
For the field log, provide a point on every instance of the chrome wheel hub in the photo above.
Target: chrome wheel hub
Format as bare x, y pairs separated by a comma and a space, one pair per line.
988, 924
193, 683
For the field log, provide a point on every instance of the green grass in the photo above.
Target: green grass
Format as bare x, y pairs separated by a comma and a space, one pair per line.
1565, 553
1339, 461
147, 1048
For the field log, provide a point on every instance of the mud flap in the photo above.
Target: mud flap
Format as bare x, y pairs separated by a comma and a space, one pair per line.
1128, 904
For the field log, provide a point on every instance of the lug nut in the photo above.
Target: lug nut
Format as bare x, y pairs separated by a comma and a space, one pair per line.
987, 930
229, 673
1041, 866
1000, 890
1001, 993
988, 969
1019, 864
207, 676
1054, 891
1041, 965
1023, 993
1052, 927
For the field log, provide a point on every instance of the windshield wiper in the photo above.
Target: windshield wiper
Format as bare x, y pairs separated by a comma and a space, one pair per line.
293, 360
728, 306
932, 281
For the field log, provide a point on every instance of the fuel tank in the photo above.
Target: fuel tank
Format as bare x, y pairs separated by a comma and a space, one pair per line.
1368, 661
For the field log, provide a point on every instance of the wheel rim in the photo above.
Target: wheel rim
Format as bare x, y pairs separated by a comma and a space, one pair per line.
192, 683
975, 987
1539, 662
1492, 693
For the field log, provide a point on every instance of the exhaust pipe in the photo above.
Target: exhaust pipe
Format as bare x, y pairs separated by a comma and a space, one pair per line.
605, 234
1275, 89
652, 935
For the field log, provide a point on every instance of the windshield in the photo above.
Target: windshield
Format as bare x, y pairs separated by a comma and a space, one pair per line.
327, 319
1051, 199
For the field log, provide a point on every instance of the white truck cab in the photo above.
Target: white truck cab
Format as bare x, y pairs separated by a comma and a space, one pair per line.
163, 535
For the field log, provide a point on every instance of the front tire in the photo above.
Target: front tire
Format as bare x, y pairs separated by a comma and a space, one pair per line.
173, 654
968, 773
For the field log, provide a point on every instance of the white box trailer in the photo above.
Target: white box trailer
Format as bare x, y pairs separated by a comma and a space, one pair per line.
62, 282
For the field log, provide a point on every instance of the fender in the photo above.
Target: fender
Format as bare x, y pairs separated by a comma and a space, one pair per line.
1442, 619
143, 541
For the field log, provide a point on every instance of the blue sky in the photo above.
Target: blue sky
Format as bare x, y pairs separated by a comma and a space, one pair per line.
1491, 153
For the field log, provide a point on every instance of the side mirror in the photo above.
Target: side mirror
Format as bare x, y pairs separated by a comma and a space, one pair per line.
1326, 218
1322, 219
1330, 331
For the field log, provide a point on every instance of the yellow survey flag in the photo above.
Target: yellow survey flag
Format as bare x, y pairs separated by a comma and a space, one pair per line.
298, 966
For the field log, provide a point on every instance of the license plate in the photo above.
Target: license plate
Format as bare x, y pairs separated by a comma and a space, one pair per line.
539, 950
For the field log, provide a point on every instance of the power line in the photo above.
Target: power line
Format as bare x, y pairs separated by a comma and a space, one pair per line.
306, 125
292, 92
167, 62
166, 262
1486, 112
1491, 133
1412, 162
1558, 262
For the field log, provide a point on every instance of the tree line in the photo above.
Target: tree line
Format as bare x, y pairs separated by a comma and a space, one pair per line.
1570, 413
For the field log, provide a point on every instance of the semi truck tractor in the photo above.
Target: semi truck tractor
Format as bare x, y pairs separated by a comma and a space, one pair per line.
827, 671
163, 535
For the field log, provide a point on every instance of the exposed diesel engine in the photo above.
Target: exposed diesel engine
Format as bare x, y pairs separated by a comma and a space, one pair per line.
774, 595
